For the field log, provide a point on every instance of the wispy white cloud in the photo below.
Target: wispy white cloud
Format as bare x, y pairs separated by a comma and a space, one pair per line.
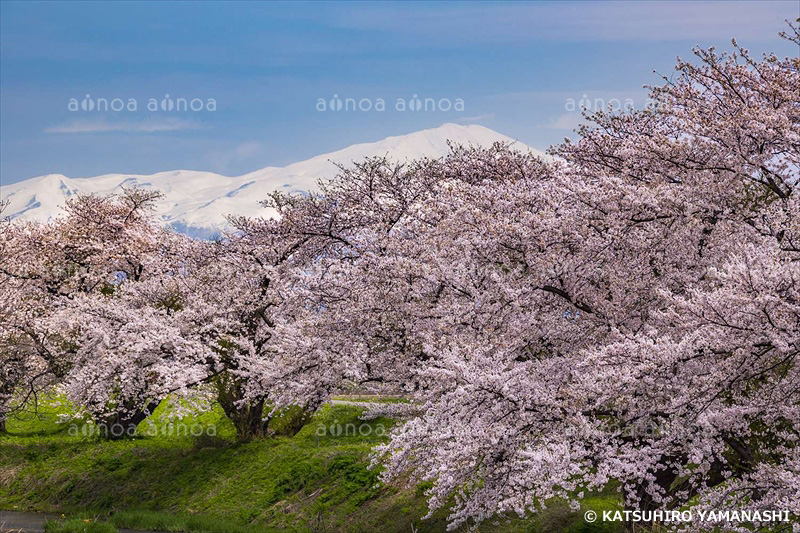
247, 150
477, 119
566, 121
103, 126
224, 159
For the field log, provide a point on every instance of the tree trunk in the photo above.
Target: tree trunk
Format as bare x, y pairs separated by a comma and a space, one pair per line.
5, 411
123, 425
247, 417
639, 499
249, 421
292, 419
6, 390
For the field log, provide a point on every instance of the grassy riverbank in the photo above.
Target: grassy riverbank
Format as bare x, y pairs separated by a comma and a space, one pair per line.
177, 482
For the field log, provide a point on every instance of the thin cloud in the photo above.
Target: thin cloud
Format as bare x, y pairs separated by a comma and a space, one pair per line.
567, 121
223, 160
105, 126
477, 119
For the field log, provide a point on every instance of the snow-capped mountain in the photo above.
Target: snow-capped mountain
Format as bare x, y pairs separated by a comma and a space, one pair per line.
197, 202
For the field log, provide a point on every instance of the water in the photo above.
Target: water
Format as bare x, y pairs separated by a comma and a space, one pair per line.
17, 522
23, 522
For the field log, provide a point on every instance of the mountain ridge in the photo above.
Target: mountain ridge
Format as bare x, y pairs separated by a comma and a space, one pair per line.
197, 202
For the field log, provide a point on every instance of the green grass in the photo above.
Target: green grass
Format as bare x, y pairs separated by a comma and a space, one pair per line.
318, 480
77, 525
155, 521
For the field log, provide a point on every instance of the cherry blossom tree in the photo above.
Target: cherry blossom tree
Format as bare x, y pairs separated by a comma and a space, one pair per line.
23, 375
344, 286
114, 354
25, 366
18, 369
626, 312
232, 303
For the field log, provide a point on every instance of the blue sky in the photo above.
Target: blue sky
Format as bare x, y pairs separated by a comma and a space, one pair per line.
266, 65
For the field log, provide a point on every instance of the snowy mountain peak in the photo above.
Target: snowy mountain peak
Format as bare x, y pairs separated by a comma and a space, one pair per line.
197, 202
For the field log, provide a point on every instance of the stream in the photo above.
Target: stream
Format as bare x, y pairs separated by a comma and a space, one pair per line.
18, 522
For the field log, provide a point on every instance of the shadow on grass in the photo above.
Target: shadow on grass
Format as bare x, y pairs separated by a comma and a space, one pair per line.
318, 480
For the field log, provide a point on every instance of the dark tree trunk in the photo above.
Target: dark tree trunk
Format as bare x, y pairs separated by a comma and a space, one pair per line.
669, 482
299, 421
123, 425
247, 417
6, 392
641, 500
292, 419
250, 418
4, 412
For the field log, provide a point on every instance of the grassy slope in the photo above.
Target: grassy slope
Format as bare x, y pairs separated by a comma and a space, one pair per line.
303, 483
